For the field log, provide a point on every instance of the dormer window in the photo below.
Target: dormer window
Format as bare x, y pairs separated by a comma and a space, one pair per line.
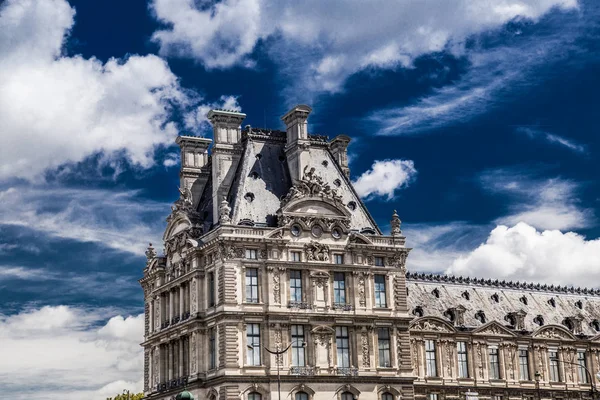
337, 183
510, 319
596, 325
352, 206
495, 298
450, 315
325, 163
436, 293
552, 302
569, 324
539, 320
480, 316
523, 300
579, 304
418, 311
249, 197
465, 295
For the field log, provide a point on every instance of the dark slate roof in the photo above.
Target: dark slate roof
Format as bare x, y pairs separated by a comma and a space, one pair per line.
435, 294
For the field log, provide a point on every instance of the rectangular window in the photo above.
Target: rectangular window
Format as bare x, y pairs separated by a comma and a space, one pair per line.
380, 300
494, 363
211, 289
496, 397
339, 288
379, 261
342, 343
554, 367
212, 349
523, 365
430, 359
338, 258
383, 344
582, 368
252, 285
298, 346
251, 254
295, 256
432, 396
463, 364
296, 285
253, 339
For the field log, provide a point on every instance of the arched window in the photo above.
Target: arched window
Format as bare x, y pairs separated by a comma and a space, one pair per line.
387, 396
347, 396
254, 396
301, 396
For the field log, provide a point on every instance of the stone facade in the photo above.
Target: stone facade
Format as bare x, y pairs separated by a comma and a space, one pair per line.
272, 266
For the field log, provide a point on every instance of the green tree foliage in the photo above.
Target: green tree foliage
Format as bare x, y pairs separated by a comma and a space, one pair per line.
127, 396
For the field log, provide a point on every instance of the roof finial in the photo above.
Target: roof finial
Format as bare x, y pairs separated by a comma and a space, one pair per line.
224, 211
150, 253
396, 224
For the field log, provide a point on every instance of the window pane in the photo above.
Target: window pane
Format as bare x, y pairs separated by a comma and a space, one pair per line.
342, 342
339, 288
338, 258
211, 289
387, 396
212, 350
379, 261
295, 256
463, 366
252, 285
347, 396
380, 300
430, 358
581, 370
494, 364
383, 344
254, 396
554, 368
296, 285
251, 254
523, 365
298, 355
301, 396
253, 339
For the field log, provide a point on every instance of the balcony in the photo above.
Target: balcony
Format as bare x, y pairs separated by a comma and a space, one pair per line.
175, 320
185, 315
172, 384
346, 371
302, 305
343, 307
165, 325
302, 371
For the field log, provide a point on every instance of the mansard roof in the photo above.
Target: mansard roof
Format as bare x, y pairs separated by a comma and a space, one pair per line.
485, 301
262, 180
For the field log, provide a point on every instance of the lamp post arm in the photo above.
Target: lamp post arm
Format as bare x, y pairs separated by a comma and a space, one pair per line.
587, 371
280, 351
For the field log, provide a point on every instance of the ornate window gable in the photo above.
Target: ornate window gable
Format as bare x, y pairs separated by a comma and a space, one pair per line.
302, 388
347, 388
555, 332
255, 387
431, 324
381, 389
493, 328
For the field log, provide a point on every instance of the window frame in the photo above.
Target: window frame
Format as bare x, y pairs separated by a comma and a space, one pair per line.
494, 363
212, 349
296, 291
554, 366
339, 293
524, 365
253, 356
581, 367
342, 347
384, 348
298, 335
251, 254
462, 359
295, 256
380, 291
338, 258
430, 359
378, 261
252, 286
211, 289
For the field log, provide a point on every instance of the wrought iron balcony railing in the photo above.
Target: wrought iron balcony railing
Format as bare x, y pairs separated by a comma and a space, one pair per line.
343, 307
172, 384
300, 304
302, 371
347, 371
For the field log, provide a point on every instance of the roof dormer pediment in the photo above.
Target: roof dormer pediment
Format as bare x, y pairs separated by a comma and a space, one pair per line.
493, 328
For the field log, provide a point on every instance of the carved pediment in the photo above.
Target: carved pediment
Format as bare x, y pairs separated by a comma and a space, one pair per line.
431, 325
493, 328
311, 185
555, 332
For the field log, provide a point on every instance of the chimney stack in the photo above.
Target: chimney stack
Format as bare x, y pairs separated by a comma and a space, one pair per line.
339, 150
226, 152
194, 156
298, 143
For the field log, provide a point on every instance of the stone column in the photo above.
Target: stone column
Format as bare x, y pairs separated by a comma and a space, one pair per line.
170, 360
180, 361
151, 316
171, 301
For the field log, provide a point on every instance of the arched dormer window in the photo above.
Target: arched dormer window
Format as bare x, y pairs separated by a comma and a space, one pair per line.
495, 298
254, 396
539, 320
450, 315
596, 325
552, 302
523, 300
480, 316
418, 311
579, 304
569, 324
465, 295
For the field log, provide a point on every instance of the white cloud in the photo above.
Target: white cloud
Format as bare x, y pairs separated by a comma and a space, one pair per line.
523, 253
62, 353
552, 138
121, 220
543, 203
15, 272
57, 109
385, 178
322, 43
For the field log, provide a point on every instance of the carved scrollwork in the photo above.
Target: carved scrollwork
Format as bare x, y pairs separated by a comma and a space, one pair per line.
311, 185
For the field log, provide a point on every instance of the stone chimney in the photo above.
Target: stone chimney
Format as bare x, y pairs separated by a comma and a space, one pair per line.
226, 153
339, 147
194, 156
297, 145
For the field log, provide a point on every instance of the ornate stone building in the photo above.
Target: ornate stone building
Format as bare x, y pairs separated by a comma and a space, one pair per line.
276, 279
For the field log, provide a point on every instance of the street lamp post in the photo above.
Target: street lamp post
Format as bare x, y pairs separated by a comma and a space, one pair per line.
277, 354
538, 375
588, 373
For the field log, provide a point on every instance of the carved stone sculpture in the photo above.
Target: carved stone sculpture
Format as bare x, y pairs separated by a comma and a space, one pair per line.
316, 251
224, 211
395, 223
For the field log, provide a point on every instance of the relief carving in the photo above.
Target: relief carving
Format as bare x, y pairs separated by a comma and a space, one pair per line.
362, 298
194, 297
276, 285
194, 365
366, 357
316, 251
155, 370
311, 185
430, 326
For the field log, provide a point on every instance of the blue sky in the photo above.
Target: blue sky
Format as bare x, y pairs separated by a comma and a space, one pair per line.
476, 120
